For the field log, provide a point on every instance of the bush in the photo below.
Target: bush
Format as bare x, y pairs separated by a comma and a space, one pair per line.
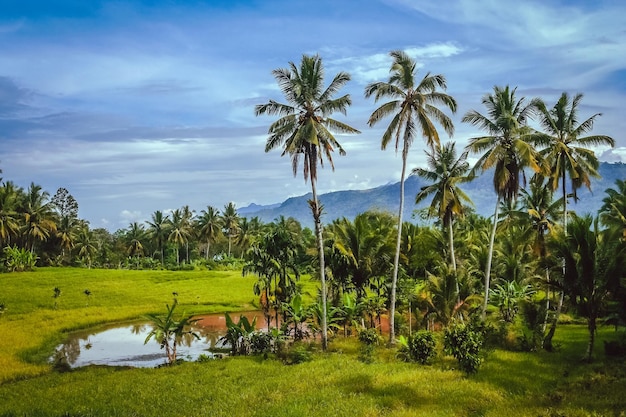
298, 353
260, 342
464, 343
422, 347
369, 338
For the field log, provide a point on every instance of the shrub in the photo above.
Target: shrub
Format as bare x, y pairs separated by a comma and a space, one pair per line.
369, 338
19, 259
298, 353
422, 347
464, 343
260, 342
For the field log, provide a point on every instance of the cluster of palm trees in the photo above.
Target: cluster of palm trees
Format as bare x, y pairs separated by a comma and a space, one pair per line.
509, 149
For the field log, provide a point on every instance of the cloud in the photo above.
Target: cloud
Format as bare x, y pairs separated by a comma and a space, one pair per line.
614, 155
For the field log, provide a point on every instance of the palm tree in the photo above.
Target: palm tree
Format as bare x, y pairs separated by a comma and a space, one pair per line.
136, 233
613, 211
38, 216
364, 247
179, 233
414, 109
507, 149
9, 224
158, 231
594, 260
230, 222
187, 226
566, 151
304, 129
86, 245
446, 172
567, 154
209, 225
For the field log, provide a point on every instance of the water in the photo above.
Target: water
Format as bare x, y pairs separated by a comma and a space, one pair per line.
123, 345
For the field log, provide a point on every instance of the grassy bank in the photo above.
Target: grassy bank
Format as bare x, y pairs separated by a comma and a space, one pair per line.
31, 325
336, 383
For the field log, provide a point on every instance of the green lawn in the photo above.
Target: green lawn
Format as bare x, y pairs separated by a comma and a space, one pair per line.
336, 383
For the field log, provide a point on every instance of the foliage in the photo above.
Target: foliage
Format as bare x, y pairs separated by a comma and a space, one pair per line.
239, 334
507, 296
19, 259
464, 343
369, 339
169, 332
421, 347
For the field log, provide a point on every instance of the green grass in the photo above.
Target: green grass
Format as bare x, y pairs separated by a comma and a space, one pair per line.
335, 383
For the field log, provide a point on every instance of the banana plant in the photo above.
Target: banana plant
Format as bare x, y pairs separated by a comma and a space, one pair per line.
169, 332
238, 334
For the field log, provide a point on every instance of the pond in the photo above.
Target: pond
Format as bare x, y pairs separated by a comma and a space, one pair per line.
123, 344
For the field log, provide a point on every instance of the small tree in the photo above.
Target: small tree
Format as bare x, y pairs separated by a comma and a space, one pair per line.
464, 343
169, 332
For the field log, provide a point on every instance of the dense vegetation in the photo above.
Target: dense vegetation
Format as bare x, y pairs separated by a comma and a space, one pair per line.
505, 281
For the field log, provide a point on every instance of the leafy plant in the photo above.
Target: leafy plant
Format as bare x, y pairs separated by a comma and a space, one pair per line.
369, 339
56, 293
464, 343
238, 335
169, 332
19, 259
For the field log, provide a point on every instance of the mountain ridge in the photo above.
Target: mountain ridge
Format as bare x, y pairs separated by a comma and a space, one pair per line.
349, 203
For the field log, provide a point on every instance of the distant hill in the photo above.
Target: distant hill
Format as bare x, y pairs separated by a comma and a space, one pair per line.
349, 203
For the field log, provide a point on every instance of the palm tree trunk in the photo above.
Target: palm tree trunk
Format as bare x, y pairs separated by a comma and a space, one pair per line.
489, 257
396, 258
453, 258
547, 341
317, 213
208, 246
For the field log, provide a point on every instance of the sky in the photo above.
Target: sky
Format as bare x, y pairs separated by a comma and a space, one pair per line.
138, 106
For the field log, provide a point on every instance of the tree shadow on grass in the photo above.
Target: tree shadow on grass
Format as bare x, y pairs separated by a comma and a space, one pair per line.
386, 396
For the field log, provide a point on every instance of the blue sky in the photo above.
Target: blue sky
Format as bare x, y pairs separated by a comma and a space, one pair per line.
138, 106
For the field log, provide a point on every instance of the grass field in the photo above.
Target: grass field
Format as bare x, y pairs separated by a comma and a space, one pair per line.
335, 383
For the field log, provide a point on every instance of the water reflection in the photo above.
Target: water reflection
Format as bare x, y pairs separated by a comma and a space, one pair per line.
123, 345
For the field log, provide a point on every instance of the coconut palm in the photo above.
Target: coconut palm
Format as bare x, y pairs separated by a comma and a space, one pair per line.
135, 234
178, 232
594, 260
508, 150
414, 109
230, 222
613, 211
38, 215
9, 223
209, 226
85, 245
304, 130
567, 152
446, 172
157, 228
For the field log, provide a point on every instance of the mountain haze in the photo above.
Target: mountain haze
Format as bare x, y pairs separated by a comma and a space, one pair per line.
349, 203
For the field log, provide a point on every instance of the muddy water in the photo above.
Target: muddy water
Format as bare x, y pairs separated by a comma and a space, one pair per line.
123, 345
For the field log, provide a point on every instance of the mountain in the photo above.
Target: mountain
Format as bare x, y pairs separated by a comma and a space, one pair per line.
349, 203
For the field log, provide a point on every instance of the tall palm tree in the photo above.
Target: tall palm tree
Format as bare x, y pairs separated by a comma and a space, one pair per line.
446, 172
187, 225
209, 225
414, 107
566, 151
230, 222
567, 154
135, 234
304, 130
508, 150
178, 232
158, 231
